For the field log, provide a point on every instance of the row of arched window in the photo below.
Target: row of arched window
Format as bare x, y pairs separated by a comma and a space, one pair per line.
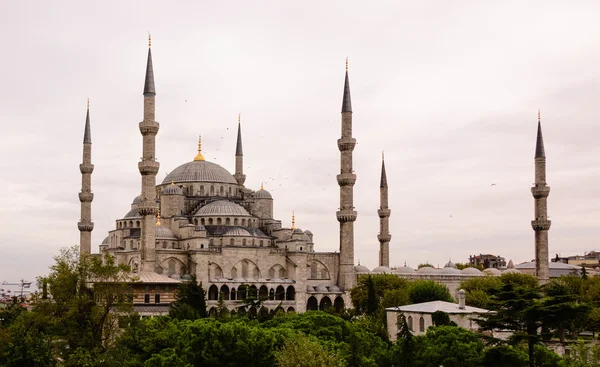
409, 321
249, 222
244, 292
233, 242
128, 224
313, 305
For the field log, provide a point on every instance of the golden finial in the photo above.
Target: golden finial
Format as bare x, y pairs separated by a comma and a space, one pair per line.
293, 221
346, 63
382, 155
158, 218
88, 103
539, 118
262, 187
149, 40
239, 118
199, 156
172, 182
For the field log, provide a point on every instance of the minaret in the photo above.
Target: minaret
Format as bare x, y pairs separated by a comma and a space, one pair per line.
384, 212
541, 224
86, 196
346, 179
148, 207
239, 175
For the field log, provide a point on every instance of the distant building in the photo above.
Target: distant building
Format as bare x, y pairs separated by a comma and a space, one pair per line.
488, 261
556, 269
419, 315
589, 260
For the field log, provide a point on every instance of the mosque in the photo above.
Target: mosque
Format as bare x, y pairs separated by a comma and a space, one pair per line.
202, 220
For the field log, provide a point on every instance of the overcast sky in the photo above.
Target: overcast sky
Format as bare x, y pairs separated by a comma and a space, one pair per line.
450, 91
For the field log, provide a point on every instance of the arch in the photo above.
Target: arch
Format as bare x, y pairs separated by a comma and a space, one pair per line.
311, 304
137, 223
234, 272
242, 293
291, 309
171, 267
338, 304
130, 224
201, 190
409, 321
244, 268
280, 293
202, 221
422, 324
235, 221
324, 274
263, 292
221, 191
261, 243
196, 221
225, 292
212, 189
271, 294
325, 303
247, 268
290, 294
219, 221
318, 270
233, 294
243, 222
164, 244
255, 273
131, 244
212, 312
313, 270
231, 242
252, 291
277, 271
244, 242
227, 221
252, 312
210, 221
216, 271
213, 293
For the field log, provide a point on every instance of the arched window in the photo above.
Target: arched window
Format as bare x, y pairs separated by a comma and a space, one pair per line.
228, 221
422, 324
313, 270
221, 191
225, 292
244, 268
261, 242
263, 292
202, 221
338, 304
235, 221
213, 293
137, 223
201, 190
196, 221
290, 294
231, 242
229, 190
244, 242
410, 323
233, 294
243, 222
253, 242
171, 267
210, 221
130, 223
219, 221
131, 244
280, 293
164, 244
212, 190
234, 272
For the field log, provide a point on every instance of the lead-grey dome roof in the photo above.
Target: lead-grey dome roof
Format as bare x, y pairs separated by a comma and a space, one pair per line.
133, 213
172, 190
237, 231
162, 232
262, 194
137, 199
199, 171
221, 207
105, 241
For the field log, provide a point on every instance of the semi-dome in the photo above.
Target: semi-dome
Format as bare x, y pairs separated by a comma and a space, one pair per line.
450, 271
262, 194
133, 213
163, 233
310, 288
471, 271
321, 289
404, 270
492, 271
105, 241
308, 232
298, 231
172, 190
200, 171
237, 231
221, 207
334, 288
428, 270
137, 199
382, 270
361, 269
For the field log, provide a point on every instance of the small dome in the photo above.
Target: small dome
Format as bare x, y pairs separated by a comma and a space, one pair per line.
361, 269
133, 213
262, 194
172, 190
308, 232
511, 271
382, 270
471, 271
105, 241
450, 264
298, 231
428, 270
200, 171
199, 227
404, 270
321, 289
334, 288
163, 233
221, 207
137, 199
450, 271
310, 288
492, 271
237, 231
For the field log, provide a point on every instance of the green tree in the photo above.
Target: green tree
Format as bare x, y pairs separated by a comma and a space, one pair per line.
428, 290
404, 349
583, 354
388, 289
372, 299
440, 318
561, 311
478, 290
449, 346
303, 351
504, 356
190, 301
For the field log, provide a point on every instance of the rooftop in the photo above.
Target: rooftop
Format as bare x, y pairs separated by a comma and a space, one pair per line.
433, 306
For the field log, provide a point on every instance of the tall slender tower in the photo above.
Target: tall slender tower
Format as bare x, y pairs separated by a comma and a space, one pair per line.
239, 175
384, 212
541, 224
148, 207
346, 179
86, 196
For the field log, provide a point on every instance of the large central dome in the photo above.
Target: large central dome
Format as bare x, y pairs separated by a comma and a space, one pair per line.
200, 171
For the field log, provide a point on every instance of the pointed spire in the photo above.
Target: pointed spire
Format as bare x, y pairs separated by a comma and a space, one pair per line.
383, 182
293, 221
158, 218
346, 103
238, 147
149, 89
199, 156
262, 186
539, 145
87, 134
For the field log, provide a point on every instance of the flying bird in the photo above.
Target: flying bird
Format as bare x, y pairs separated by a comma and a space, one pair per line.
493, 184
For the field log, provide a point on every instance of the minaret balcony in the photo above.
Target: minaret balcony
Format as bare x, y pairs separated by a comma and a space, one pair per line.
384, 237
346, 215
149, 127
85, 226
539, 191
345, 144
146, 207
148, 167
346, 179
86, 197
86, 168
384, 213
540, 224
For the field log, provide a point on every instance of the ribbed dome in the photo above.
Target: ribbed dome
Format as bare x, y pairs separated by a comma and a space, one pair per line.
137, 199
133, 213
404, 270
450, 271
492, 271
382, 270
262, 194
105, 241
237, 231
163, 233
361, 269
334, 288
321, 289
199, 171
471, 271
511, 271
308, 232
172, 190
221, 207
310, 288
428, 270
298, 231
450, 264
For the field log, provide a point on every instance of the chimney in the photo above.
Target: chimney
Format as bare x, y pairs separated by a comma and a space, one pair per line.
461, 299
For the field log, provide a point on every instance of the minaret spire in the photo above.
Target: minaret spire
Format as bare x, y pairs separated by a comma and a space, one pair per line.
346, 179
541, 224
239, 175
384, 212
148, 167
86, 196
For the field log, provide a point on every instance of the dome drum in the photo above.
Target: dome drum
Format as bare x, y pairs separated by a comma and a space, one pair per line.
200, 171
